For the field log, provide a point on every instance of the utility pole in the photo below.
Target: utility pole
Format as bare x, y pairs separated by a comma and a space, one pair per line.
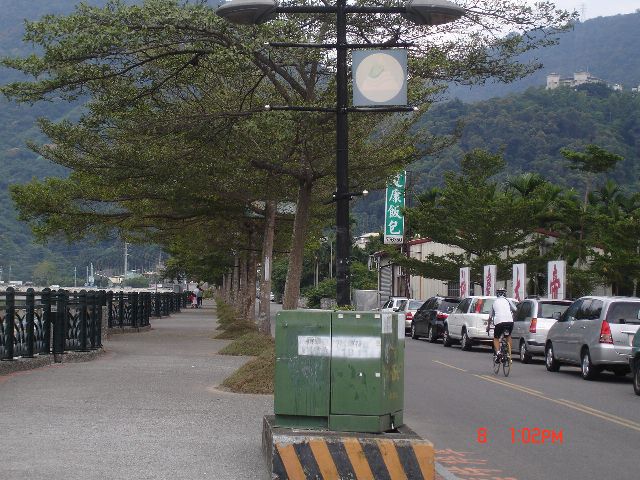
126, 255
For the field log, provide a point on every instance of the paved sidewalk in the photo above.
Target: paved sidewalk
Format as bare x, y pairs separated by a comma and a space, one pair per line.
148, 409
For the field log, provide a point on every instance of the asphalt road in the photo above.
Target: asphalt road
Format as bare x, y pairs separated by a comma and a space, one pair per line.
451, 394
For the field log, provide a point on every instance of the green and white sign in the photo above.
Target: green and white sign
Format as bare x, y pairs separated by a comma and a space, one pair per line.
393, 218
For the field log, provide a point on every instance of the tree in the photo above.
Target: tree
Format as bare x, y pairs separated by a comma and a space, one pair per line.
174, 81
479, 217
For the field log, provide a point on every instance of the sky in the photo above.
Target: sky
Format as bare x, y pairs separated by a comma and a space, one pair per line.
598, 8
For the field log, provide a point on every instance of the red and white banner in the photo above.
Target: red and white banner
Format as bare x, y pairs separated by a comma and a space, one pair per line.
556, 279
520, 281
465, 282
490, 272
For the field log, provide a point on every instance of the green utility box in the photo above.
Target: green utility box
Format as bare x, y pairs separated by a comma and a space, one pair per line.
339, 370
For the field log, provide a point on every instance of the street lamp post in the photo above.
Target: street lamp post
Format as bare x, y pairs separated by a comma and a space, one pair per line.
421, 12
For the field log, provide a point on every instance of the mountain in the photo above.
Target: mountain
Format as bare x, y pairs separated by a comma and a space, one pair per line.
18, 253
607, 47
530, 129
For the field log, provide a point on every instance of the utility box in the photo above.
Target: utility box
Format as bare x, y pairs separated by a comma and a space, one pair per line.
303, 362
339, 370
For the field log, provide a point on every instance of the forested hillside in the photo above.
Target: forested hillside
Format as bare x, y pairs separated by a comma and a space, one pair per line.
530, 129
607, 47
18, 164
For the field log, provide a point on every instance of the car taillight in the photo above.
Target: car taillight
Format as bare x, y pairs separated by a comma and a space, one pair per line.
605, 333
533, 326
409, 316
442, 316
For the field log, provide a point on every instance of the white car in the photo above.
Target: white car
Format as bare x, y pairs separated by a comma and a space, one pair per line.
394, 304
467, 323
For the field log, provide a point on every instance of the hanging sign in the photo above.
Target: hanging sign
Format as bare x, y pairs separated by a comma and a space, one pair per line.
556, 279
520, 281
490, 272
379, 77
465, 276
393, 217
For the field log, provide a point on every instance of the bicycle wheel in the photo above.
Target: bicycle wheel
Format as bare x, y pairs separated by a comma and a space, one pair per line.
506, 362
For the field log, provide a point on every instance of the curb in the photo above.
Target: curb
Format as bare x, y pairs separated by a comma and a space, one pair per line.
21, 364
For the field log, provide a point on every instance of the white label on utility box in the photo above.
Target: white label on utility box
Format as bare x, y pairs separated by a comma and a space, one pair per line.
314, 346
401, 319
387, 323
356, 347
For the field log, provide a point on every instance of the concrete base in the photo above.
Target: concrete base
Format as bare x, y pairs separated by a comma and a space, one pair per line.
328, 455
19, 364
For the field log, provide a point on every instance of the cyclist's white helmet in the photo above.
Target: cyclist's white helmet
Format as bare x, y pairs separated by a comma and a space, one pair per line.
501, 292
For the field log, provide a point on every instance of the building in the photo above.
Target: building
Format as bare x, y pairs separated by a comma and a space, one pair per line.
555, 80
363, 240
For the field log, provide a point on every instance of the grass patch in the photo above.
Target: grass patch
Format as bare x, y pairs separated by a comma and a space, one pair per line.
255, 376
236, 330
251, 344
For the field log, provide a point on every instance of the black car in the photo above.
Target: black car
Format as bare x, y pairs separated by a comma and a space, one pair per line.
429, 319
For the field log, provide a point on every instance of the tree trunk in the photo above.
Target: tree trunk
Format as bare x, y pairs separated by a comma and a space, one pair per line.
252, 266
294, 273
235, 282
264, 315
241, 300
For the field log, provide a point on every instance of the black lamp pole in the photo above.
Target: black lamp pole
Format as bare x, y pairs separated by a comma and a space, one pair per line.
423, 12
343, 235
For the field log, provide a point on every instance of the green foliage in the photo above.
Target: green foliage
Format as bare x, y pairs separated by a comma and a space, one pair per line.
324, 289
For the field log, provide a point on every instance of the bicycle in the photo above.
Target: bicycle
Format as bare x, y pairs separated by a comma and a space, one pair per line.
503, 358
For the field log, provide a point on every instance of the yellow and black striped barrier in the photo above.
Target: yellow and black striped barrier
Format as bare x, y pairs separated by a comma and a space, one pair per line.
296, 455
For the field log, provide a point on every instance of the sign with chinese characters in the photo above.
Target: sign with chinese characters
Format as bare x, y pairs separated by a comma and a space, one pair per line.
490, 272
379, 77
556, 279
519, 281
465, 277
393, 217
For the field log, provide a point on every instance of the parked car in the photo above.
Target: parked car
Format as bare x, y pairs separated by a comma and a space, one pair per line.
430, 317
468, 322
531, 323
409, 308
394, 304
595, 333
634, 362
272, 297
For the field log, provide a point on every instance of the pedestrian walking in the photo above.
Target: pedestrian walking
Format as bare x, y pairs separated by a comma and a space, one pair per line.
199, 293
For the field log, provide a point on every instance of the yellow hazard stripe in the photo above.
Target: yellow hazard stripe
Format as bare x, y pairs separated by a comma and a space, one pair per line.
291, 462
391, 460
324, 460
358, 460
425, 456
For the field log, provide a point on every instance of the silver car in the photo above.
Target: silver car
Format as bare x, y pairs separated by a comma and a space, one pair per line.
595, 333
531, 323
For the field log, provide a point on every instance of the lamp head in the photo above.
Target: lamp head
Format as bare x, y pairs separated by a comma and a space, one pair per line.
248, 12
432, 12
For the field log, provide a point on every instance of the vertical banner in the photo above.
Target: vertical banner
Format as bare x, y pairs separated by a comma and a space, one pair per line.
556, 279
520, 281
393, 217
490, 272
465, 276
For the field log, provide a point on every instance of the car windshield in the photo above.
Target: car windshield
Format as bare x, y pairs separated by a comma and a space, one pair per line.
414, 304
548, 309
624, 312
448, 305
483, 305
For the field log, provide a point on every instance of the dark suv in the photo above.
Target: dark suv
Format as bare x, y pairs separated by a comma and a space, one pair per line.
429, 319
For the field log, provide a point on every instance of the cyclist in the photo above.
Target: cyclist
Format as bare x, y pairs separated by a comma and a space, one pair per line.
502, 318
